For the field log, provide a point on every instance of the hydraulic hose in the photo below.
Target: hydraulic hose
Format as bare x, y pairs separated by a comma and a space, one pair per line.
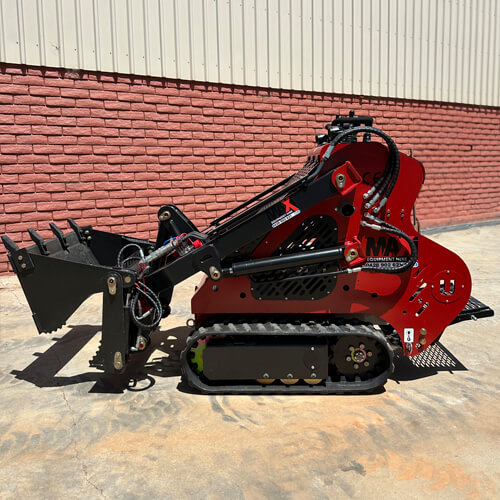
392, 170
389, 228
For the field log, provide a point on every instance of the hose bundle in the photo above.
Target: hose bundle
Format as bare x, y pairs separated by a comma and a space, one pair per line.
376, 197
145, 306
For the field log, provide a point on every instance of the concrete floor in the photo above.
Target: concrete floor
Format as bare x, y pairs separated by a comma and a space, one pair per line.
70, 432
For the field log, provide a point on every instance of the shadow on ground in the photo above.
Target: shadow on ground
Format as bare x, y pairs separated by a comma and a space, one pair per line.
139, 372
433, 360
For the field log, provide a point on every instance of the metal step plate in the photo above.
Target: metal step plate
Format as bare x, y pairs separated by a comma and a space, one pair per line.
474, 309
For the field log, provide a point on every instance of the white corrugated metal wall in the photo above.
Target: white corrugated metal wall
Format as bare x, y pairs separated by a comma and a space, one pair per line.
438, 50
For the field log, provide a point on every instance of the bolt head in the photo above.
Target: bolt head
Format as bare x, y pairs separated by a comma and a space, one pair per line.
366, 363
19, 257
165, 215
348, 358
356, 366
370, 354
128, 279
23, 265
289, 375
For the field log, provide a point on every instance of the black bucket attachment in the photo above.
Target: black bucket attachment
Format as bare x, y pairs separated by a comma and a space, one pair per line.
57, 275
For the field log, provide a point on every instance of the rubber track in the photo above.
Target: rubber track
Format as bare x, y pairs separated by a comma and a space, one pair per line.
278, 328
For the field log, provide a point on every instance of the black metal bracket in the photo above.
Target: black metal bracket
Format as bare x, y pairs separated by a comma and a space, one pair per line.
113, 352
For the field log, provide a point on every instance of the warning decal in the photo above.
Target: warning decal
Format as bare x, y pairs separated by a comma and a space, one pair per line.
283, 218
290, 212
409, 335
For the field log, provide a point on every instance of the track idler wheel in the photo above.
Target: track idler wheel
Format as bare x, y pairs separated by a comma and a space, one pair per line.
289, 381
312, 381
265, 381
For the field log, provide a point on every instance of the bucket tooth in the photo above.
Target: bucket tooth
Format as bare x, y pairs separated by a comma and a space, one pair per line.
39, 241
9, 244
76, 228
59, 235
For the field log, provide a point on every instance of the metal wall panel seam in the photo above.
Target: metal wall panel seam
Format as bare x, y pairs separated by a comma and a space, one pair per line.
218, 44
413, 45
358, 26
323, 21
496, 56
290, 27
301, 45
114, 54
176, 45
60, 35
328, 46
78, 30
97, 42
224, 44
466, 71
458, 48
130, 39
267, 65
162, 41
379, 67
388, 75
484, 63
3, 54
190, 40
453, 48
436, 51
20, 27
280, 68
396, 52
231, 68
243, 45
147, 49
489, 62
205, 40
370, 51
41, 33
445, 29
473, 53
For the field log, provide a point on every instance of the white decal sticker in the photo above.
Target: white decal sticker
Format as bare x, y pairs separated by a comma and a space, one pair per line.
409, 335
283, 218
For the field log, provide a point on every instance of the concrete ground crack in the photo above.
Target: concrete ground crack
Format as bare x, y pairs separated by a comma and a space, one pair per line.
75, 447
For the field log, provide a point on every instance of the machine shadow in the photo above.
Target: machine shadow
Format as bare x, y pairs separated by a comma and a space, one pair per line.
434, 359
139, 374
142, 369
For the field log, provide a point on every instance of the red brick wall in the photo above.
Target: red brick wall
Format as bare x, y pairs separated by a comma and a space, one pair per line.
109, 150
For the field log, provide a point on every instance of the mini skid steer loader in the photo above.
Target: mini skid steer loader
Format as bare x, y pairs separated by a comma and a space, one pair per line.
312, 286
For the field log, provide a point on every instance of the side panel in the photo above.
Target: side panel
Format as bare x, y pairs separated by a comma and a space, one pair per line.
419, 303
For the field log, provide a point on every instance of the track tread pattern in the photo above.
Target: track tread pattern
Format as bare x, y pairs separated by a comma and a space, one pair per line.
314, 328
